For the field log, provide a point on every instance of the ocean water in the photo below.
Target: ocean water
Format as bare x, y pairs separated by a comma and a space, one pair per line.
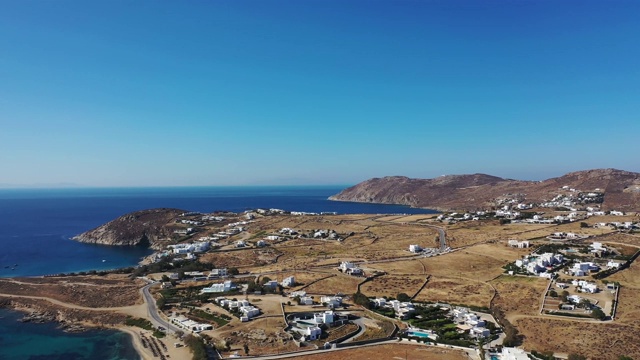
27, 341
36, 227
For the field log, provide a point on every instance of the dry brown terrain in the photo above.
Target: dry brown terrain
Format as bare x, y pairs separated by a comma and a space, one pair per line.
474, 191
393, 285
338, 284
390, 351
603, 340
518, 295
83, 291
456, 291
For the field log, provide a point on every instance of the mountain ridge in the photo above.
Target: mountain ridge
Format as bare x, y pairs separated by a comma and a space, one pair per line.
475, 191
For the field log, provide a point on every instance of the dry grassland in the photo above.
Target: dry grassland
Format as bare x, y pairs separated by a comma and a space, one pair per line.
594, 340
390, 351
392, 285
338, 284
621, 238
628, 311
473, 232
262, 336
518, 295
408, 267
466, 264
456, 291
83, 292
241, 259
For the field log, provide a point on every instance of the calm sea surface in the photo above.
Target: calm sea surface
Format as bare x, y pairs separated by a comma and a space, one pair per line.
36, 227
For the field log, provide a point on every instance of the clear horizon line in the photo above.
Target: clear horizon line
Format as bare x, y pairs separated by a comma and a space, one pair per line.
88, 187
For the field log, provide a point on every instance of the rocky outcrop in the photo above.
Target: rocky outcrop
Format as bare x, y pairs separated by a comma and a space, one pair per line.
143, 228
455, 192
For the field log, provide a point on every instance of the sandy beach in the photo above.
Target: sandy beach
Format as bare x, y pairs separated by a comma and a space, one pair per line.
146, 354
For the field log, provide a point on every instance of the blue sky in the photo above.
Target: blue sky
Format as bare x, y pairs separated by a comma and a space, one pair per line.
178, 93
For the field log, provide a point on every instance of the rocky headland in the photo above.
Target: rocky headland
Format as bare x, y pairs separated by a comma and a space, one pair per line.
139, 228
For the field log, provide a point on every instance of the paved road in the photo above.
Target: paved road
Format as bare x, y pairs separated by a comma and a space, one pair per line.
152, 310
363, 328
441, 234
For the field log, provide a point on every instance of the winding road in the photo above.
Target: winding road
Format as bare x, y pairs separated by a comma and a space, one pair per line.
152, 310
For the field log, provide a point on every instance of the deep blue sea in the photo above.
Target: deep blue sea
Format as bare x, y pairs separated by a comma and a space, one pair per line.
36, 226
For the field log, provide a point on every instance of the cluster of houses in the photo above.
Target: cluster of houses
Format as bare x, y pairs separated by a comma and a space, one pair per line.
468, 320
332, 302
616, 225
196, 247
540, 264
455, 217
244, 307
428, 252
185, 323
308, 325
191, 222
465, 319
559, 236
199, 276
404, 310
350, 269
585, 286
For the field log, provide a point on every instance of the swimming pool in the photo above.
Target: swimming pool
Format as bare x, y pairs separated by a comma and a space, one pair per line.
418, 333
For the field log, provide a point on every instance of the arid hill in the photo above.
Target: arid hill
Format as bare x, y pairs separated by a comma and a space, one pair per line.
142, 228
456, 192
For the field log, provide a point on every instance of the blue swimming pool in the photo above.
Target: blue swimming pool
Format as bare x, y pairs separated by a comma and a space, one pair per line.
418, 333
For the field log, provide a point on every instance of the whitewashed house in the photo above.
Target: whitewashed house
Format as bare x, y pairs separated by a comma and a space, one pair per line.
289, 282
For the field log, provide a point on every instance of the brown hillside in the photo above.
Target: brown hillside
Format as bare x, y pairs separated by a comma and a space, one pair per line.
144, 228
621, 188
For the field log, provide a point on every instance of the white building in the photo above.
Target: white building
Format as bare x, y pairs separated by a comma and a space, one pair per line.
519, 244
312, 333
346, 265
289, 282
613, 264
190, 325
331, 301
380, 302
415, 248
249, 311
326, 317
306, 300
218, 288
217, 273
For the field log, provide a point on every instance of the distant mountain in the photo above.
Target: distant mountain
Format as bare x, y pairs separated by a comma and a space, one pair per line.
468, 192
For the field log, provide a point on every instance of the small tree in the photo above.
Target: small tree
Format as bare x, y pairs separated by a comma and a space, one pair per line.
161, 302
403, 297
361, 299
597, 313
245, 347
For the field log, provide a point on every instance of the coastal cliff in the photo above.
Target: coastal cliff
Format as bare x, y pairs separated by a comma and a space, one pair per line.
143, 228
452, 192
